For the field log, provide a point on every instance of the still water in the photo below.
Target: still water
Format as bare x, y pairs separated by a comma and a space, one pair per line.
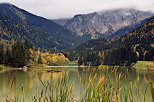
26, 84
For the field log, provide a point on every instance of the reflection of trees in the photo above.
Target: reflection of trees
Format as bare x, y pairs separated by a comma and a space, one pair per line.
74, 77
12, 79
46, 76
87, 73
129, 74
12, 83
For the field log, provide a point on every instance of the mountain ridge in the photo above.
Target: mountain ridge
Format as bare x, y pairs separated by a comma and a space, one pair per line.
106, 23
62, 38
142, 37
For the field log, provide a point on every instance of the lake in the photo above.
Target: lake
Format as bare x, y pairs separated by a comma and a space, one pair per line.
24, 85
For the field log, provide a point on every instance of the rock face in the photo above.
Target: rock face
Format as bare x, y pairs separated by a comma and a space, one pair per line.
105, 23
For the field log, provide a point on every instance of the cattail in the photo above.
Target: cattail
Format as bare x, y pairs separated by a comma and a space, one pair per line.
152, 90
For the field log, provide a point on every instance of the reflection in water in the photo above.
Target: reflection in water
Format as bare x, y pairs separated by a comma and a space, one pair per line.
31, 84
139, 81
27, 84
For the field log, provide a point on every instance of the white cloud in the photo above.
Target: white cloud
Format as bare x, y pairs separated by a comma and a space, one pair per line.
68, 8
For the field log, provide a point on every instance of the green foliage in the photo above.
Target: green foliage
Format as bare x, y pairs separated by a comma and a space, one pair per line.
19, 55
88, 47
8, 56
121, 56
80, 61
16, 55
92, 59
28, 46
1, 54
149, 56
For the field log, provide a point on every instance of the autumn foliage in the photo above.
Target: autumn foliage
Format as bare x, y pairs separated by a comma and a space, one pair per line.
52, 58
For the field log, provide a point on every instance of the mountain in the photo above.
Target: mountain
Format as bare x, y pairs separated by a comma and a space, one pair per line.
48, 33
106, 23
143, 37
127, 29
11, 30
61, 22
125, 50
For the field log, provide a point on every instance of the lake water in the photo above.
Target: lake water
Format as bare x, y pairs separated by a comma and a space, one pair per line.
26, 84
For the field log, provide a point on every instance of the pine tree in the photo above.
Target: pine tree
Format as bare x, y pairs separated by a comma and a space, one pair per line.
8, 56
19, 58
133, 58
80, 60
28, 46
1, 54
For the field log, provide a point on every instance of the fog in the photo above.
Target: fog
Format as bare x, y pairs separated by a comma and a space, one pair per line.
54, 9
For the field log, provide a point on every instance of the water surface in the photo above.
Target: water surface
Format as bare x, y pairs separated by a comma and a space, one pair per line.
26, 84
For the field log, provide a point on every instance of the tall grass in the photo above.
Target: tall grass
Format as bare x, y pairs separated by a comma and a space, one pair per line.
151, 84
56, 91
95, 89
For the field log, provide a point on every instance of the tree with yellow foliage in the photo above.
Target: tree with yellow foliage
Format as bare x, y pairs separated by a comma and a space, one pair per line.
52, 58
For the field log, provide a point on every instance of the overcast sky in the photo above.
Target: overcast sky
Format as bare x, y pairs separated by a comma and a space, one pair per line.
54, 9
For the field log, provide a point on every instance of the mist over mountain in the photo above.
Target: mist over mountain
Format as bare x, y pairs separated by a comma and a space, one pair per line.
61, 22
106, 23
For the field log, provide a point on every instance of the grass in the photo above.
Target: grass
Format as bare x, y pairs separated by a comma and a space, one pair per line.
96, 89
143, 64
2, 66
152, 90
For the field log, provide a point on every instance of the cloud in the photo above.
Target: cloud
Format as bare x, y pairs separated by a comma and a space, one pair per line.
54, 9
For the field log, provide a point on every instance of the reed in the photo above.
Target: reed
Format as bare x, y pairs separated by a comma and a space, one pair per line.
151, 84
96, 89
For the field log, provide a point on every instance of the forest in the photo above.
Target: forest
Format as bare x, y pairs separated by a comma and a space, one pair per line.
22, 53
126, 50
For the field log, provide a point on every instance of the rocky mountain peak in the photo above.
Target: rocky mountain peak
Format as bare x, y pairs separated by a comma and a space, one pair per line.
98, 24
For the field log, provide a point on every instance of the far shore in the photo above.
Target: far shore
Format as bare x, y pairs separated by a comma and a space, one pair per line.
138, 65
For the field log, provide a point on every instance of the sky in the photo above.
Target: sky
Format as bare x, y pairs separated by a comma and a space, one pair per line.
55, 9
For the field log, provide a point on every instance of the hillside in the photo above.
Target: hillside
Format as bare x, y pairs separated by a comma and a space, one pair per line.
127, 29
140, 40
143, 35
106, 23
48, 34
11, 30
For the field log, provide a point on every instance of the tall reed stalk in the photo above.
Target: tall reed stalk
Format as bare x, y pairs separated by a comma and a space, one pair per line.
96, 89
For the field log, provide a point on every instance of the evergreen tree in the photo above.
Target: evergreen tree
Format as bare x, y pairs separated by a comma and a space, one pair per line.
150, 54
140, 50
2, 54
133, 58
80, 60
27, 46
121, 56
8, 56
19, 58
